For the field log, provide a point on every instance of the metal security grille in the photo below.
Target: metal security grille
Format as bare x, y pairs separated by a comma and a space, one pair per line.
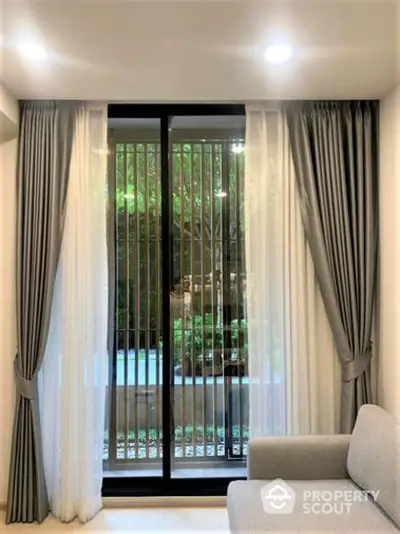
208, 302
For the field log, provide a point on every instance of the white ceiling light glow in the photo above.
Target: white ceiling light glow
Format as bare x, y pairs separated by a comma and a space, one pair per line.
32, 51
278, 53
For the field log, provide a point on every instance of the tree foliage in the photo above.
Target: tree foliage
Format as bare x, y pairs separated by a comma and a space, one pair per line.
196, 188
205, 335
197, 208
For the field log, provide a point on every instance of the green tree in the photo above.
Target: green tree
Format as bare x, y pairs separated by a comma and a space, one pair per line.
197, 204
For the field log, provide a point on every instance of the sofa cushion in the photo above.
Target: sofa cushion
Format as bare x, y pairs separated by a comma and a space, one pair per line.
246, 511
373, 461
298, 457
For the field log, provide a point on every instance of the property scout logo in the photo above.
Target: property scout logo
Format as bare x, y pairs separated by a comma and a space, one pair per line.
278, 497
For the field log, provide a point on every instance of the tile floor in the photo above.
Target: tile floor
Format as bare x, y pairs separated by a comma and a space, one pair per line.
135, 520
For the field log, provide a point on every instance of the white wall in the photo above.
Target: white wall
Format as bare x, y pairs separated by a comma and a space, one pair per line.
8, 155
389, 363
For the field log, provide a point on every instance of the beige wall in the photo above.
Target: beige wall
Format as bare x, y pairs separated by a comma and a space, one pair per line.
8, 105
8, 155
389, 362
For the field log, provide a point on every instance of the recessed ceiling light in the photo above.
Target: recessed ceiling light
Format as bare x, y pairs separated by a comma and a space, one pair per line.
32, 51
278, 53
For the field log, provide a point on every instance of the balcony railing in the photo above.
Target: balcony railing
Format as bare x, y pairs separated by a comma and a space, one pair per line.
209, 411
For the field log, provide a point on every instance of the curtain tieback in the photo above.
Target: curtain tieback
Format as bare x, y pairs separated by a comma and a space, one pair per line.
355, 368
25, 388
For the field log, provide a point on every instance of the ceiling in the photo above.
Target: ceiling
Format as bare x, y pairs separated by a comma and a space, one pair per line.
201, 50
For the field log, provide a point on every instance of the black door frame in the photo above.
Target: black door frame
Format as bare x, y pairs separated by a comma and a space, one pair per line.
165, 484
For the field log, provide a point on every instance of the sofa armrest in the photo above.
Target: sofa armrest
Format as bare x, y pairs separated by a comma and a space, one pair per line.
298, 457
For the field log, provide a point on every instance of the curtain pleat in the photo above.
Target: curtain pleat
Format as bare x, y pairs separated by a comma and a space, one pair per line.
293, 373
335, 147
74, 372
45, 141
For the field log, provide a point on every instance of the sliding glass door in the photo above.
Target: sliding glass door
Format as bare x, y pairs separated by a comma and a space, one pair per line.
210, 403
178, 386
134, 426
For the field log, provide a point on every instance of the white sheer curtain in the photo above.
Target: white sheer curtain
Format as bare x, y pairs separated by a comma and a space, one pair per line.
293, 369
73, 380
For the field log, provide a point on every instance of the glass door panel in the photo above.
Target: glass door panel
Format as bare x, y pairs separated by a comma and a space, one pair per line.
134, 427
207, 302
178, 383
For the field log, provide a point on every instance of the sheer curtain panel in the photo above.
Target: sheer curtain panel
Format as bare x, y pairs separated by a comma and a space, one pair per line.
293, 369
73, 381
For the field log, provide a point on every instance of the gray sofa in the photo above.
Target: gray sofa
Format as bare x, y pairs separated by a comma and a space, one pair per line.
336, 483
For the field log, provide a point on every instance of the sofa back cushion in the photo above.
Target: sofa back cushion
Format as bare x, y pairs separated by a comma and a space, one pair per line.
373, 461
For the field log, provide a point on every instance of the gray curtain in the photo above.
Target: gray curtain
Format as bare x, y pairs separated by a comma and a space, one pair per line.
45, 143
335, 153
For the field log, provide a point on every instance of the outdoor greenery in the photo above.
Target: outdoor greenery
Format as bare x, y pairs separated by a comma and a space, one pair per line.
196, 183
204, 335
183, 435
207, 226
197, 207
